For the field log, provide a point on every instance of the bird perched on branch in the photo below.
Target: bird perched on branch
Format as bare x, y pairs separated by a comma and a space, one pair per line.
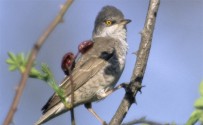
97, 71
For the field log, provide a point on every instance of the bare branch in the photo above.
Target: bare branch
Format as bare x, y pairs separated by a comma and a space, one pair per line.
143, 120
140, 65
31, 59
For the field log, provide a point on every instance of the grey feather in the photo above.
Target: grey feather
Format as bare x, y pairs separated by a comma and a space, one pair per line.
89, 64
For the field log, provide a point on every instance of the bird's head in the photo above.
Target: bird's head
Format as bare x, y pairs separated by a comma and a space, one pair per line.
110, 22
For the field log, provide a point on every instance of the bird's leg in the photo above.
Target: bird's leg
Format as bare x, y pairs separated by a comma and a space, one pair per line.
89, 108
103, 95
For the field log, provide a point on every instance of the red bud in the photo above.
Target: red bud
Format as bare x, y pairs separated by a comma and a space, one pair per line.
68, 63
85, 46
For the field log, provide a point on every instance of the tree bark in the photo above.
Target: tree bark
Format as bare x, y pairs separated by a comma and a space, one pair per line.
138, 73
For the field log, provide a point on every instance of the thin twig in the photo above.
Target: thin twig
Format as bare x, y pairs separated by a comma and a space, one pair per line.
72, 100
31, 59
140, 65
143, 120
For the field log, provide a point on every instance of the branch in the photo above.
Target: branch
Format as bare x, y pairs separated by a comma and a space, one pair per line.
143, 120
140, 65
31, 59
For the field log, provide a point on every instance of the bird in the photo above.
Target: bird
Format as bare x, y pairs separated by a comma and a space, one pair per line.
97, 71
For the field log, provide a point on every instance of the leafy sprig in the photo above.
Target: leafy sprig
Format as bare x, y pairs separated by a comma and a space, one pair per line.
19, 62
51, 81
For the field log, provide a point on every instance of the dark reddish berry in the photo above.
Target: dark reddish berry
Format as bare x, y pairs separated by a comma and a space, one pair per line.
68, 63
85, 46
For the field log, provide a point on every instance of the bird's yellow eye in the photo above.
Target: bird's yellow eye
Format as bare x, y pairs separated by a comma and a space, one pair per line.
108, 22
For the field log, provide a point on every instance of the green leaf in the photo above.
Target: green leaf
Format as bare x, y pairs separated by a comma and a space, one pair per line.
12, 55
10, 61
22, 69
22, 58
45, 69
35, 72
19, 61
201, 88
50, 77
199, 103
25, 61
201, 119
12, 67
195, 116
51, 81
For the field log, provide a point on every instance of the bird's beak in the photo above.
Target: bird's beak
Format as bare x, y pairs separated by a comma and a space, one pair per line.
125, 21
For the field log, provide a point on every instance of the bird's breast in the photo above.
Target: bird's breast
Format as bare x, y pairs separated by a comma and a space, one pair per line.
115, 65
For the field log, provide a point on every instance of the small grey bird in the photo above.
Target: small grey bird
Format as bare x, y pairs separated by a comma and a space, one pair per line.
97, 71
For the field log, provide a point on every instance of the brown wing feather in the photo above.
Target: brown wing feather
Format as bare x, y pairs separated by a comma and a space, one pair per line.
86, 67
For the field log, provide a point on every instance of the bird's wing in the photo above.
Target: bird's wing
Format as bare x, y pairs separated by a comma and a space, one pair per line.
86, 67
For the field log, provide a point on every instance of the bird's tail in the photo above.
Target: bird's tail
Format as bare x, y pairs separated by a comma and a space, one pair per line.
53, 112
